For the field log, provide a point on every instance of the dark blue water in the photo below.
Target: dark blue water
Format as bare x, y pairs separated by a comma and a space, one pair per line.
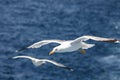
23, 22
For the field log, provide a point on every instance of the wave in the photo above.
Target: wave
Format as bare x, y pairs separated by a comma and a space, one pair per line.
111, 59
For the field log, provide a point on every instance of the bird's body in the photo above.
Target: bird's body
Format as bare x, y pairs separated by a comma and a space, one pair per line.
39, 62
71, 45
68, 47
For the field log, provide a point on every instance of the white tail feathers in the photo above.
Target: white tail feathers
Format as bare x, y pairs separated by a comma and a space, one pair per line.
37, 63
86, 46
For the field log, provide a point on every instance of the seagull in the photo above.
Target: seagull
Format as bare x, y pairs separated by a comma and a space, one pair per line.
39, 62
71, 45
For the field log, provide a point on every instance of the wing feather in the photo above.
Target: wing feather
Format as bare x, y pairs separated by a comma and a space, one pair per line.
40, 43
58, 64
55, 63
44, 42
88, 37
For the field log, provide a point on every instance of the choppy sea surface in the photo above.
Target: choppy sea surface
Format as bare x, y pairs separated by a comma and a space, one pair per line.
23, 22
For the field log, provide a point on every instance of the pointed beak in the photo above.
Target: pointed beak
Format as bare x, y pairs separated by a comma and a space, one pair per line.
51, 52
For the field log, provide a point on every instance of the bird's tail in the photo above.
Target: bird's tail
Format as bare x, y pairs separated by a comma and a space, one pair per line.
37, 63
86, 46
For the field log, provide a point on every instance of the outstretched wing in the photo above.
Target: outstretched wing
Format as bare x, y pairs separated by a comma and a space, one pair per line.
35, 61
87, 37
28, 57
58, 64
41, 43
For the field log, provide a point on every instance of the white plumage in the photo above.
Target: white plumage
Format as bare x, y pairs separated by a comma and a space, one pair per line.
39, 62
71, 45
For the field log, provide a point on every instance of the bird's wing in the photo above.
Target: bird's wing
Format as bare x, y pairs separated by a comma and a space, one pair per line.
35, 61
28, 57
87, 37
58, 64
41, 43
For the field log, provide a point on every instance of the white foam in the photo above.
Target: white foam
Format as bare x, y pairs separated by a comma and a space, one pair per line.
110, 59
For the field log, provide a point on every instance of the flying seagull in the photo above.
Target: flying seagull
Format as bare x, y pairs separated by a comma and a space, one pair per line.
71, 45
39, 62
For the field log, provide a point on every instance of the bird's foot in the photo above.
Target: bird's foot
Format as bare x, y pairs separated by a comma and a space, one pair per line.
82, 51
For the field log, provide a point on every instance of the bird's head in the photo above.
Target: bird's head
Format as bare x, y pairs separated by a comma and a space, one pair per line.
56, 49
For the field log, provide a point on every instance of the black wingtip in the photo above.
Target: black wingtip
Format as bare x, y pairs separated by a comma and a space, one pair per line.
68, 68
22, 49
114, 40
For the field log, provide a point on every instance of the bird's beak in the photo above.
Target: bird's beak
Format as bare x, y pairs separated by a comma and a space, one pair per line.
51, 52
